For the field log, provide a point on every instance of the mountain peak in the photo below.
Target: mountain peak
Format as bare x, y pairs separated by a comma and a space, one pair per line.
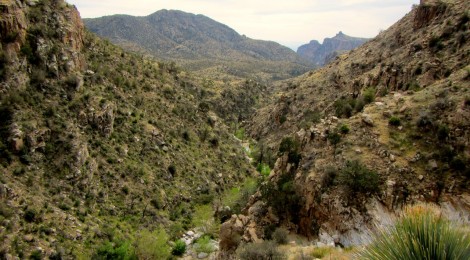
320, 54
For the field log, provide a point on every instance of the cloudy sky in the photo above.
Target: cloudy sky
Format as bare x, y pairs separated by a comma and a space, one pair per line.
290, 23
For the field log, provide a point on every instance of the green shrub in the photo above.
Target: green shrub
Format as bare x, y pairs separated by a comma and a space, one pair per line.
443, 132
421, 233
264, 169
265, 250
179, 248
280, 236
368, 95
152, 245
334, 138
204, 244
203, 218
394, 121
321, 252
282, 196
290, 146
36, 255
328, 177
30, 215
118, 251
344, 129
237, 198
358, 179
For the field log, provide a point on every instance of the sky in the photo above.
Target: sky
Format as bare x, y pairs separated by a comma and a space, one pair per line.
288, 22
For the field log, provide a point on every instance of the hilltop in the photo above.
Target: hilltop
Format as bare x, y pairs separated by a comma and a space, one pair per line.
321, 54
200, 44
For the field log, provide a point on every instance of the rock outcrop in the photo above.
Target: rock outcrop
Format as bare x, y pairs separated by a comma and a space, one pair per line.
321, 54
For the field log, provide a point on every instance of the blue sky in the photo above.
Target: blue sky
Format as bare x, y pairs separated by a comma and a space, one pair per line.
290, 23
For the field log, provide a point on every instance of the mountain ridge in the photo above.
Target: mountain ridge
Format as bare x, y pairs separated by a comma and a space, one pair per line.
321, 54
188, 39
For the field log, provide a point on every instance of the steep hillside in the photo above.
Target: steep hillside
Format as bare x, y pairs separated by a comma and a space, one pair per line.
99, 147
381, 127
321, 54
199, 43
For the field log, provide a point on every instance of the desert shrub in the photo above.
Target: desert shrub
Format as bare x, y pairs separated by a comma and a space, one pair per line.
344, 129
36, 255
442, 132
152, 245
368, 95
421, 233
280, 236
282, 196
265, 250
321, 252
203, 218
204, 244
172, 169
179, 248
237, 198
30, 215
394, 121
328, 177
334, 138
358, 179
37, 78
118, 251
290, 146
263, 169
344, 107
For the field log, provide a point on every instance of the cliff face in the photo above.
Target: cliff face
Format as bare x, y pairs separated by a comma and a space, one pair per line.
391, 114
321, 54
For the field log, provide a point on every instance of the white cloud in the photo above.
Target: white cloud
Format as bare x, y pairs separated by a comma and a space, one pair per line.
288, 22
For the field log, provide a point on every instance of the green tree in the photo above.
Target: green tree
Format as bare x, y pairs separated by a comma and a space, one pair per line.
152, 245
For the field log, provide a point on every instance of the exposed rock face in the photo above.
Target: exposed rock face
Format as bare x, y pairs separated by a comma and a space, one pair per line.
321, 54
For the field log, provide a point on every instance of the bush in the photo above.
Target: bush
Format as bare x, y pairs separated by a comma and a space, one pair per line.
344, 129
368, 95
152, 245
421, 233
118, 251
30, 215
358, 178
394, 121
179, 249
204, 244
264, 169
290, 146
260, 251
280, 236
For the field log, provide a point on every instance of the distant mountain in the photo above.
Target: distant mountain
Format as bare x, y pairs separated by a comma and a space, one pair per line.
321, 54
199, 43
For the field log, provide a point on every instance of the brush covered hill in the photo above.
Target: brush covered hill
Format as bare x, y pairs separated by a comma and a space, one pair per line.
380, 127
98, 144
200, 43
321, 54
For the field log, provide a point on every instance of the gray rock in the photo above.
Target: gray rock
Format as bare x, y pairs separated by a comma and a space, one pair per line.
366, 119
432, 164
202, 255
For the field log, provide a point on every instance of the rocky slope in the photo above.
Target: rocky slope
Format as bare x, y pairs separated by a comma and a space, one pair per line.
381, 127
199, 43
321, 54
98, 144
